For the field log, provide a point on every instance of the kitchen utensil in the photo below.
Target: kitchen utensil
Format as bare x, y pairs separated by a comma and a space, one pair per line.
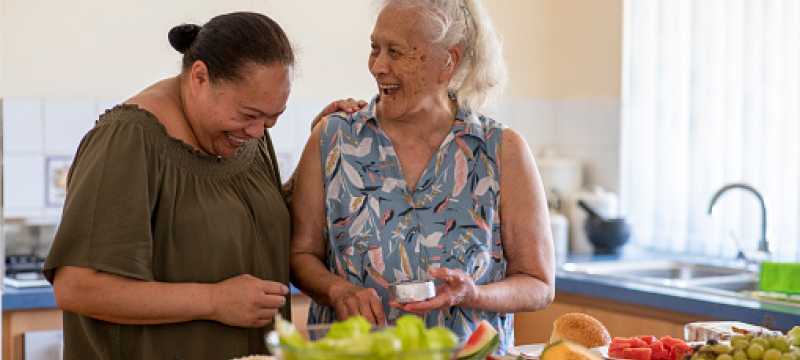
607, 235
604, 202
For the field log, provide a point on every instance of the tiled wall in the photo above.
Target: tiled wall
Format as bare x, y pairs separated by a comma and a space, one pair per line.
37, 128
587, 130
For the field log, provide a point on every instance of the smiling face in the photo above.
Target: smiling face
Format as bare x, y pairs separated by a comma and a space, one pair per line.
228, 114
409, 69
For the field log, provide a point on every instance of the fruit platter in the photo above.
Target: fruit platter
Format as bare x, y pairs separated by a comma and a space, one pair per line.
574, 336
577, 336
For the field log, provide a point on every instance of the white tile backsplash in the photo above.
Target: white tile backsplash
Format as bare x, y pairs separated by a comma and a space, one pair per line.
22, 126
65, 124
535, 120
587, 122
586, 129
600, 164
23, 181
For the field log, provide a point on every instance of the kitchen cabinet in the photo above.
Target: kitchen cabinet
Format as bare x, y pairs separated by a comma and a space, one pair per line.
621, 319
17, 323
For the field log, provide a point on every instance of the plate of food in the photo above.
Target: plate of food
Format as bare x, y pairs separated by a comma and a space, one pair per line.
573, 328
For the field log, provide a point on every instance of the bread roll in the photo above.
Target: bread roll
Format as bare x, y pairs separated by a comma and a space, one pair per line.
580, 328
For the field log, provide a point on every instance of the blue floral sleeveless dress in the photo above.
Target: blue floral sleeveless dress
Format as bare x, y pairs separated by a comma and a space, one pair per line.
380, 232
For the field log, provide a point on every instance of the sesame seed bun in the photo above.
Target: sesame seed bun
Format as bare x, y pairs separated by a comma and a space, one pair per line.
580, 328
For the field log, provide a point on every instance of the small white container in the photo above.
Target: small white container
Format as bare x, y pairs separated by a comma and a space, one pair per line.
412, 291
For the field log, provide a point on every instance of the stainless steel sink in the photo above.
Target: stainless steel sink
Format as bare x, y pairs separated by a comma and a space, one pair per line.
656, 270
710, 278
714, 279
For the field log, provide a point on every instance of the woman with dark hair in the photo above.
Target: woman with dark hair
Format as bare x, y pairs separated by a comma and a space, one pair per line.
174, 240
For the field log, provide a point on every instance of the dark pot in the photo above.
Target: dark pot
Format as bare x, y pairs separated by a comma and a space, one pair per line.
607, 236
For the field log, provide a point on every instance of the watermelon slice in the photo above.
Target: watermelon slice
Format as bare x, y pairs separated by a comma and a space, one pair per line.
637, 354
483, 342
649, 339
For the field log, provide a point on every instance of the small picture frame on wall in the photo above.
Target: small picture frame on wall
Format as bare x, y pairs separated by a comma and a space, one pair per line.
56, 170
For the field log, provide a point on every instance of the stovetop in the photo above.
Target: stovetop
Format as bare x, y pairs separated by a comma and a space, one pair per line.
20, 264
24, 271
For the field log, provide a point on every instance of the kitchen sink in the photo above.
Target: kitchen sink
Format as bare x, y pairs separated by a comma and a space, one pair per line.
712, 279
707, 278
660, 271
733, 286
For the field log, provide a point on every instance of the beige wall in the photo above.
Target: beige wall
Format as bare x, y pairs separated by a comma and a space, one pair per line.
561, 49
555, 48
2, 48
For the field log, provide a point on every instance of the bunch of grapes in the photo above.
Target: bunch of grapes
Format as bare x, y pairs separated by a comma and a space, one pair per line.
752, 347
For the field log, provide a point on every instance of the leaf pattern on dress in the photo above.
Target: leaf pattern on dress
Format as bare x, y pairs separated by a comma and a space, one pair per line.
358, 224
405, 264
331, 162
381, 232
389, 184
362, 150
352, 175
356, 202
432, 240
485, 184
459, 173
376, 259
334, 188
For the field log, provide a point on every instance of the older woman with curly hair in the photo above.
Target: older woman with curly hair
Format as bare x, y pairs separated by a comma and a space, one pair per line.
409, 188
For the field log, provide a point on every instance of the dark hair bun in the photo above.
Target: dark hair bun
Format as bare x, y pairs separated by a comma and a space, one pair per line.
181, 37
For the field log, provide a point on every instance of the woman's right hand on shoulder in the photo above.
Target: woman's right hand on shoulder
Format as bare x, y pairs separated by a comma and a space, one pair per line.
351, 300
247, 301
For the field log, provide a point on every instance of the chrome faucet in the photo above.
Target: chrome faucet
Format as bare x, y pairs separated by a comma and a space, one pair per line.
763, 245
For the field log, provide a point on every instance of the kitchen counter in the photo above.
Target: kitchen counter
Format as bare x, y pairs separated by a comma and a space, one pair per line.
28, 299
15, 299
680, 300
777, 316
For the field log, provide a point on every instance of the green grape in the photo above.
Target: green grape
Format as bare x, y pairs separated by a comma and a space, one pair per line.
724, 357
739, 355
721, 349
755, 351
739, 337
761, 341
787, 356
795, 332
780, 343
772, 354
740, 343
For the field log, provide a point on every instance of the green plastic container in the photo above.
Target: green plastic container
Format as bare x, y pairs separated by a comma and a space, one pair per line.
780, 277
